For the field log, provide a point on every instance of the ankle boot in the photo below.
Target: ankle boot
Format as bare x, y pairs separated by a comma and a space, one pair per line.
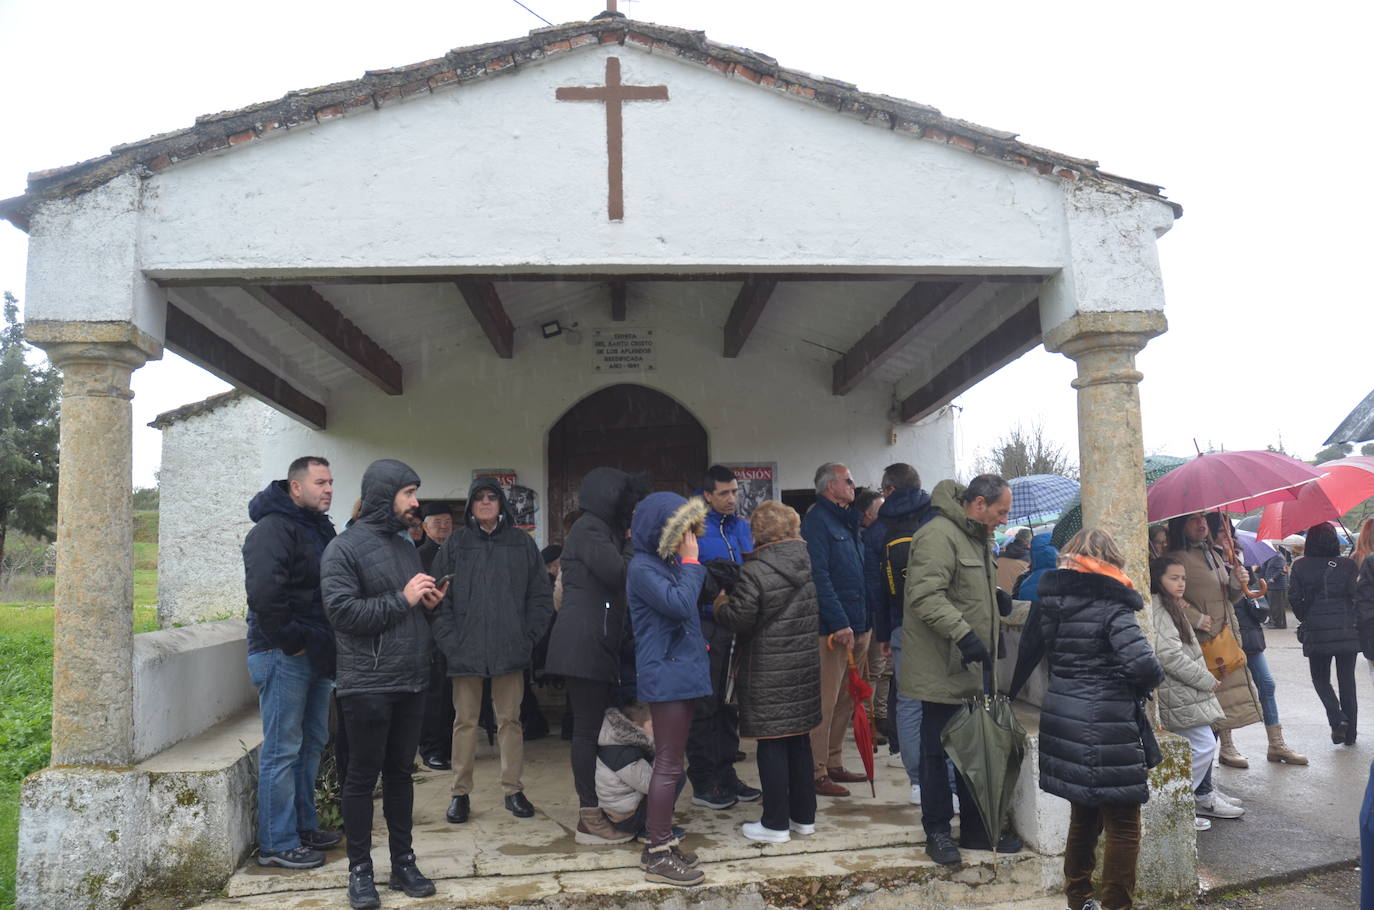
1278, 749
593, 827
1229, 756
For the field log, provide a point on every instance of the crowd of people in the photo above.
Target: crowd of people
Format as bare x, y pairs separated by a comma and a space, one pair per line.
678, 627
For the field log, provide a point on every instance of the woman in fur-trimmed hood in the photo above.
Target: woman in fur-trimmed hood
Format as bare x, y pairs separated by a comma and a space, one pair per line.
663, 583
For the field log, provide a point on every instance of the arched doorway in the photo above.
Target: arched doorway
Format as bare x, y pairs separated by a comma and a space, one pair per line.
630, 427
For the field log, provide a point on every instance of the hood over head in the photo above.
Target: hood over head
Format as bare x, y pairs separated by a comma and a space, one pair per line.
650, 517
382, 480
611, 495
946, 500
505, 519
276, 497
1043, 554
905, 503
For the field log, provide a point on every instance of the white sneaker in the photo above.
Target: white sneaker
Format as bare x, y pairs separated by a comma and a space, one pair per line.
895, 761
803, 830
956, 804
756, 831
1201, 824
1212, 807
1226, 797
916, 794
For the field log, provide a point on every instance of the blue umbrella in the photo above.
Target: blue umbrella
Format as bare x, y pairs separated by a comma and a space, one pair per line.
1040, 495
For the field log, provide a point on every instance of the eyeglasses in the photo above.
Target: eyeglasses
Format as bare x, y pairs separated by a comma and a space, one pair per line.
849, 480
486, 497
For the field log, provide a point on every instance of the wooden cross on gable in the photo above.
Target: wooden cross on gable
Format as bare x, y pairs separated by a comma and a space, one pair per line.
613, 94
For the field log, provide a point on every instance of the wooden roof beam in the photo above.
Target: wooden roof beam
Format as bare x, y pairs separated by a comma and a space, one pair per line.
1014, 337
744, 315
916, 309
200, 345
619, 300
306, 310
485, 304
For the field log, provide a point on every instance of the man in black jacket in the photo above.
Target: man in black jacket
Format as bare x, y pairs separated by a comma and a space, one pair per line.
380, 604
436, 733
499, 605
290, 658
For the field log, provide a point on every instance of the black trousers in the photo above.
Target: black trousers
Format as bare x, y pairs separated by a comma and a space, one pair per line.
1339, 710
383, 732
714, 738
436, 733
588, 699
789, 793
937, 802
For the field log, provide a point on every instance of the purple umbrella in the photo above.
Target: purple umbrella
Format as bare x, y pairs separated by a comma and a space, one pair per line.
1257, 552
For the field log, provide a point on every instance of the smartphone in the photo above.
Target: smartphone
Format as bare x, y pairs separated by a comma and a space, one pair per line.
443, 581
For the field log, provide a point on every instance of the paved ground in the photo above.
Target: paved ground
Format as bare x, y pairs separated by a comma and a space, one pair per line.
1336, 890
1297, 818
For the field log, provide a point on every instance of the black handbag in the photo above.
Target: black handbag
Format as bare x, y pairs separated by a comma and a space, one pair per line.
1153, 754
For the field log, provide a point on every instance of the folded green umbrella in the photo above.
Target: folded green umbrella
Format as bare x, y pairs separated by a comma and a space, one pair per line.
986, 743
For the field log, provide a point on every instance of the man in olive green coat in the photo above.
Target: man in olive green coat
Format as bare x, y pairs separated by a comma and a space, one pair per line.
949, 633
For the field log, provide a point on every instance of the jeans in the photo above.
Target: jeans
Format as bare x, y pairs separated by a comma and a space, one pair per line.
937, 797
294, 701
1338, 710
383, 734
714, 737
1264, 682
906, 717
789, 795
1119, 855
672, 720
588, 699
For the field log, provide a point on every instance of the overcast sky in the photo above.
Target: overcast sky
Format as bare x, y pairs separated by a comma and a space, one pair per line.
1254, 116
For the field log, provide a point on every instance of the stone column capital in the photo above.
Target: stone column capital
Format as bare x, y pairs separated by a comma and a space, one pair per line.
80, 341
1104, 344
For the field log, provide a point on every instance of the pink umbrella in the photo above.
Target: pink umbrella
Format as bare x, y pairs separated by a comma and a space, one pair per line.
1232, 481
1348, 482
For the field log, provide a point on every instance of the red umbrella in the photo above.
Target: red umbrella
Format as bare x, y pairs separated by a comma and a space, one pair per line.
1233, 481
1348, 482
859, 693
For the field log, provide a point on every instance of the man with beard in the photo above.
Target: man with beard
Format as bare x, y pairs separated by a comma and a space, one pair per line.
499, 606
290, 658
380, 604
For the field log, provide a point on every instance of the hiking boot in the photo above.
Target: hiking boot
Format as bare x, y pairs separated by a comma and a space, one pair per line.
827, 787
846, 777
688, 858
1229, 755
301, 857
1212, 807
594, 828
319, 839
678, 835
362, 891
406, 877
666, 866
757, 831
1278, 749
940, 847
1007, 843
714, 798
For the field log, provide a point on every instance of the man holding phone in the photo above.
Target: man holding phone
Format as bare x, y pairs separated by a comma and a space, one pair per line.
290, 658
381, 604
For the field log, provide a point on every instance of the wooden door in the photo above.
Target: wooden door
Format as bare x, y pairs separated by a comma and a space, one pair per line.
628, 427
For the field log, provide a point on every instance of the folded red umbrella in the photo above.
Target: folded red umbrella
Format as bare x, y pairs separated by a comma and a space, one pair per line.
1231, 481
860, 692
1348, 482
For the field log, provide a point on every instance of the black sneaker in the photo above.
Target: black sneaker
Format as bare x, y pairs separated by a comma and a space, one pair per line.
715, 798
362, 891
296, 858
406, 877
745, 793
320, 839
940, 847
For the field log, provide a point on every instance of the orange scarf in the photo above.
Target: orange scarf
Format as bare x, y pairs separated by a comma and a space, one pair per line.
1096, 567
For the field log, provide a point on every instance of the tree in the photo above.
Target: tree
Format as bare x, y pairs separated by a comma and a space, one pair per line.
1023, 452
1334, 451
1367, 449
29, 397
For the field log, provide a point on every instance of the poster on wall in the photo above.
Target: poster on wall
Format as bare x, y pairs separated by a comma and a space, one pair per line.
524, 502
758, 480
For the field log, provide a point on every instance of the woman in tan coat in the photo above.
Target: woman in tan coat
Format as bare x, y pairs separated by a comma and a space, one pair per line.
1212, 590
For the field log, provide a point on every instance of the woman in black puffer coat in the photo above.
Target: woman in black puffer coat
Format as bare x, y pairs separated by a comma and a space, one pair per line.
1101, 666
1321, 592
773, 610
585, 644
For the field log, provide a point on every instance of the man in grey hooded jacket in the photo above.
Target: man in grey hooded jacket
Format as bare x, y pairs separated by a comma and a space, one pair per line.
380, 604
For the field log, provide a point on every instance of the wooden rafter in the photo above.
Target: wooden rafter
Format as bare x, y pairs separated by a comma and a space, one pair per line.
1014, 337
744, 315
316, 318
485, 303
619, 300
372, 278
915, 310
200, 345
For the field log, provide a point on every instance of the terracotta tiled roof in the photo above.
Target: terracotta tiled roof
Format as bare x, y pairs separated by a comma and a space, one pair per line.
196, 408
377, 88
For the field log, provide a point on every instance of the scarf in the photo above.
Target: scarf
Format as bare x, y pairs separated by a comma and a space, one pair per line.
1092, 566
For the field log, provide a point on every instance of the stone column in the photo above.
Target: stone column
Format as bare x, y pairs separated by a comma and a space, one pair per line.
1111, 449
92, 693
